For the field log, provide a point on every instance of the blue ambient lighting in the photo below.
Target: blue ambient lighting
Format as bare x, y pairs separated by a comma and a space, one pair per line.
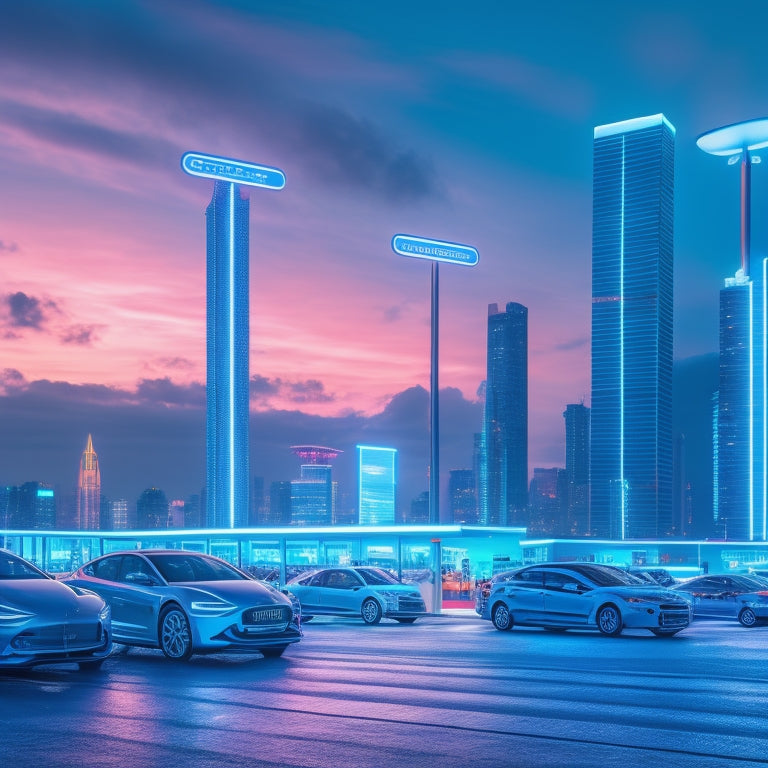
236, 171
734, 139
435, 250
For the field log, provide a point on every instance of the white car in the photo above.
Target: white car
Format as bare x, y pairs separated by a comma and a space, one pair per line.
370, 593
560, 596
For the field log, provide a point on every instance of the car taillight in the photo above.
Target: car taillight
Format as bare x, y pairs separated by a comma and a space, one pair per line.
763, 593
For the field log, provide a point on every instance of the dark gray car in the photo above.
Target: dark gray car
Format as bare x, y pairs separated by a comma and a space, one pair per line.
725, 596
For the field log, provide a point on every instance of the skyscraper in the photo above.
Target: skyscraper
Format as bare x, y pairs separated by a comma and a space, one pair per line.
577, 467
88, 507
227, 328
377, 485
632, 251
504, 478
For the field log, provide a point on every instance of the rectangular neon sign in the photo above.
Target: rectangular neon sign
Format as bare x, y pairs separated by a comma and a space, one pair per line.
435, 250
235, 171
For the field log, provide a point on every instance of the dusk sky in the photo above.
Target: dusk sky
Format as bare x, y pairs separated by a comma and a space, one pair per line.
464, 122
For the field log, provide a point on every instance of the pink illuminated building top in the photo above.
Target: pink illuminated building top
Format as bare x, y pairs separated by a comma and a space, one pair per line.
315, 454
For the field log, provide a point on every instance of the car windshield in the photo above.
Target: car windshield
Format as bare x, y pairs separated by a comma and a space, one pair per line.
12, 567
183, 568
608, 577
376, 576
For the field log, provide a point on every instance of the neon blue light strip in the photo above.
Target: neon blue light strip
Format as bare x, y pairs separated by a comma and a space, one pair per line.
636, 124
621, 343
232, 355
751, 337
764, 446
236, 171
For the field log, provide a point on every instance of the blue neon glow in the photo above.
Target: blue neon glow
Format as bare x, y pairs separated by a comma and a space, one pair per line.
435, 250
635, 124
235, 171
734, 139
44, 493
764, 445
231, 234
623, 512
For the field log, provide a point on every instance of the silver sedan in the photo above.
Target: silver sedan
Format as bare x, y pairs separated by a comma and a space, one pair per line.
43, 621
560, 596
186, 602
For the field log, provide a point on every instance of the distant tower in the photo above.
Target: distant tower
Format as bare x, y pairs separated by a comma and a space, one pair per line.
152, 510
227, 329
462, 495
377, 485
577, 467
312, 495
632, 248
505, 434
88, 490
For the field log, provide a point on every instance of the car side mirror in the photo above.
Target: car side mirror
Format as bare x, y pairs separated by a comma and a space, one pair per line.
571, 586
142, 579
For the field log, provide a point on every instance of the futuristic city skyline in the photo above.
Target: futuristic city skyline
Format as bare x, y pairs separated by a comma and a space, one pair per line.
475, 132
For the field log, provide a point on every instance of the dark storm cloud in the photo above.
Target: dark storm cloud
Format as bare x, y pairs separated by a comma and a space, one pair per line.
187, 63
578, 343
26, 311
308, 391
144, 438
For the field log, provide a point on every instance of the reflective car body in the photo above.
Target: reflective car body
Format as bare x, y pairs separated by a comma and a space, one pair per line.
186, 602
582, 596
724, 596
370, 593
43, 621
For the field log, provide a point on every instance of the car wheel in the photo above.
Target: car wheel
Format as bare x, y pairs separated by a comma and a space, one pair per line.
175, 635
371, 611
90, 666
407, 621
747, 617
609, 620
502, 618
273, 653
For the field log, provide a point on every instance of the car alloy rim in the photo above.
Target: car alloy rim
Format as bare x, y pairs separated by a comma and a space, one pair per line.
369, 610
609, 620
748, 617
175, 634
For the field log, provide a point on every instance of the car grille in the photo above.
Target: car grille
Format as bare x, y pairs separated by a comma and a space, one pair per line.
58, 637
267, 618
415, 604
673, 616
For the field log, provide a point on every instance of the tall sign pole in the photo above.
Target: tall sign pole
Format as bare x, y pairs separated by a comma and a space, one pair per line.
451, 253
227, 332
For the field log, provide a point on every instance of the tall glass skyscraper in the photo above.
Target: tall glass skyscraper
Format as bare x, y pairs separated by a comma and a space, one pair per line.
377, 485
741, 414
577, 467
632, 259
504, 481
227, 329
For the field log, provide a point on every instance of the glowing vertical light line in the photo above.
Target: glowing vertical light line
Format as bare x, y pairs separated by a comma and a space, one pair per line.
622, 489
231, 355
751, 338
764, 393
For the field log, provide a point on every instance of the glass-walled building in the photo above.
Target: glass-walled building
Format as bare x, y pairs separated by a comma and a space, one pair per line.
377, 484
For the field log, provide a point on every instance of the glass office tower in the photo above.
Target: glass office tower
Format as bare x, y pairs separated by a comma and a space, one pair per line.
88, 507
377, 485
632, 259
504, 499
741, 414
227, 331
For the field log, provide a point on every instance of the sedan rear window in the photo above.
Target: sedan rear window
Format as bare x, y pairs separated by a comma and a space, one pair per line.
376, 576
15, 568
183, 568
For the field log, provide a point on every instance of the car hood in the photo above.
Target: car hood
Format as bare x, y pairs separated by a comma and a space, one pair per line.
651, 592
46, 596
251, 592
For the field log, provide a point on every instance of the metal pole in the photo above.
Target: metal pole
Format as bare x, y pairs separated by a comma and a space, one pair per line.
746, 204
434, 422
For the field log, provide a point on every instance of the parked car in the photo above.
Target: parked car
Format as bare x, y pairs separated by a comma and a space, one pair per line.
560, 596
43, 621
186, 602
724, 596
370, 593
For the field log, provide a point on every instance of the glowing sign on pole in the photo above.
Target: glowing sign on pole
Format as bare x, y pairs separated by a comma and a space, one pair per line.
235, 171
435, 250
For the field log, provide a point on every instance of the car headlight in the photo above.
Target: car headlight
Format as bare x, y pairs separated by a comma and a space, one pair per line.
392, 599
105, 614
211, 607
640, 600
10, 614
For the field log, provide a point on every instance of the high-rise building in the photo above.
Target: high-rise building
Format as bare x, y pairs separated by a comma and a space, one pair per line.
152, 510
118, 513
312, 496
280, 502
88, 505
741, 413
32, 506
577, 468
462, 496
632, 250
227, 331
377, 485
548, 502
505, 431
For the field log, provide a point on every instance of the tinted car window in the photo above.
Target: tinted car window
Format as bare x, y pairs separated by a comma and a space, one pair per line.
12, 567
132, 565
376, 576
341, 580
181, 568
108, 568
606, 577
556, 580
530, 577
